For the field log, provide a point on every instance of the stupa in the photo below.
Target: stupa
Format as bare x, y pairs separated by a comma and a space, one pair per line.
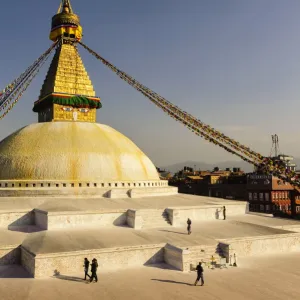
67, 152
56, 176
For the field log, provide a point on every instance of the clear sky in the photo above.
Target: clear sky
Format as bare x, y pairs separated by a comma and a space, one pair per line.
235, 64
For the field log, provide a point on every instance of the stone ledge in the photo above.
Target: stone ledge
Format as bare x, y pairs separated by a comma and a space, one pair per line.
103, 192
43, 265
53, 220
250, 246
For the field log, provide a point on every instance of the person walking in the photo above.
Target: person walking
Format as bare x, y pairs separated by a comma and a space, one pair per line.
224, 213
199, 270
189, 227
86, 265
94, 267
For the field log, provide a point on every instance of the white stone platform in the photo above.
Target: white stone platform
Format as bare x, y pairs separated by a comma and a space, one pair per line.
65, 212
63, 250
79, 228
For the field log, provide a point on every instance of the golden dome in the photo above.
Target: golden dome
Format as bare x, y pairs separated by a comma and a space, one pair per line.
66, 151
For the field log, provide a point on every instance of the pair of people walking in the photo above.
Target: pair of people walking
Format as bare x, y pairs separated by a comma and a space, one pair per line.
94, 267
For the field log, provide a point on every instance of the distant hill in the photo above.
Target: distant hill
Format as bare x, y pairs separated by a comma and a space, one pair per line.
222, 165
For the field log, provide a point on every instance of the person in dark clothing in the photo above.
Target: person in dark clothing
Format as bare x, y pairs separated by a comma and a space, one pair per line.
224, 213
189, 223
94, 267
199, 270
86, 268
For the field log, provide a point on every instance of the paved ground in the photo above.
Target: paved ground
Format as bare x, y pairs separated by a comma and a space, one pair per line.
203, 233
83, 204
260, 278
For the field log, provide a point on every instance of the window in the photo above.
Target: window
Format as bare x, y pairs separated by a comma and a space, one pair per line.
261, 196
250, 196
267, 196
262, 208
255, 196
267, 207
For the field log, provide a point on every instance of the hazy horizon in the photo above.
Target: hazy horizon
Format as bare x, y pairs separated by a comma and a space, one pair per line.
233, 64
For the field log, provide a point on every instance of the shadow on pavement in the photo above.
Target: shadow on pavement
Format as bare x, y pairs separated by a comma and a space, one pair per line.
173, 231
172, 281
57, 275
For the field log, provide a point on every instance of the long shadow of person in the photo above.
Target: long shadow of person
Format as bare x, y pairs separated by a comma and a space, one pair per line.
57, 275
172, 281
172, 231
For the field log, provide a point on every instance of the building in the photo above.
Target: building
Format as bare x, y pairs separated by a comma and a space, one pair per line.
228, 184
229, 187
268, 194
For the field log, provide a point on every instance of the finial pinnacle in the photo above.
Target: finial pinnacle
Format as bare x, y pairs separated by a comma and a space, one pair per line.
65, 6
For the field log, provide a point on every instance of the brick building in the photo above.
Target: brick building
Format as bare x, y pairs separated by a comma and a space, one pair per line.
269, 194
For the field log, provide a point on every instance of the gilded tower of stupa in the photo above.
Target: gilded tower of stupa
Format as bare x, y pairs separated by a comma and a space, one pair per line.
67, 93
67, 152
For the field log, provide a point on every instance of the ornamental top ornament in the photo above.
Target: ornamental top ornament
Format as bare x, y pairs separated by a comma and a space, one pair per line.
65, 23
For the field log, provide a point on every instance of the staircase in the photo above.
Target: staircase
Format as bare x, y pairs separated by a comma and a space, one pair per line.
154, 218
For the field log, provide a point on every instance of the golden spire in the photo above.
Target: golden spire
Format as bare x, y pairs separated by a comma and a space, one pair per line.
65, 6
67, 93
